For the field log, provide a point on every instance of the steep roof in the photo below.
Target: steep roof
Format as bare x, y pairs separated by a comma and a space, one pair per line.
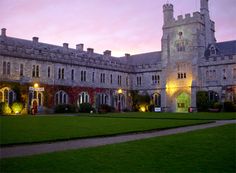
145, 58
222, 48
227, 48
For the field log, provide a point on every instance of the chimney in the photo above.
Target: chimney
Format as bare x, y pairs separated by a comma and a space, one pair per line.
90, 51
107, 53
3, 32
80, 47
65, 45
35, 39
127, 55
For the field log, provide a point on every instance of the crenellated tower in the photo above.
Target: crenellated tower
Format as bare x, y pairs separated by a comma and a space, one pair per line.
168, 13
209, 26
184, 41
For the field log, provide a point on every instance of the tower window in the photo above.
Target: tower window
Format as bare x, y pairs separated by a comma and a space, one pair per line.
35, 71
213, 50
83, 76
21, 70
49, 72
72, 74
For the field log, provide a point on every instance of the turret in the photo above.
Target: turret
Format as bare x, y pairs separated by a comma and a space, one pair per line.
168, 13
209, 25
204, 7
3, 33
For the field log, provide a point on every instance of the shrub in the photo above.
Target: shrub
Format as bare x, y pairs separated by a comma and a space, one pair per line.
104, 108
126, 110
5, 108
85, 107
17, 107
202, 101
229, 106
217, 105
65, 108
151, 108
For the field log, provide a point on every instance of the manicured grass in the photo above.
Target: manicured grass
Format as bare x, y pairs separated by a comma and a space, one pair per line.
209, 150
27, 129
190, 116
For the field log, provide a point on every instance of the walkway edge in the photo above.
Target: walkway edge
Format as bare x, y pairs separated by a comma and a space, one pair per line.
27, 150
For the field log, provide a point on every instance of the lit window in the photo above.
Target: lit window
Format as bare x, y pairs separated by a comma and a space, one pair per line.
7, 95
83, 98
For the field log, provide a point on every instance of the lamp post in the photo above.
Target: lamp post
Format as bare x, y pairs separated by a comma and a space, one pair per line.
36, 85
120, 92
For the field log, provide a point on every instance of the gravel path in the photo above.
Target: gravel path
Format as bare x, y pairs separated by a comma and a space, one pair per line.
31, 149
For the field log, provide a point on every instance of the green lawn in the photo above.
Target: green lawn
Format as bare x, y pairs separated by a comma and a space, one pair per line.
27, 129
190, 116
210, 150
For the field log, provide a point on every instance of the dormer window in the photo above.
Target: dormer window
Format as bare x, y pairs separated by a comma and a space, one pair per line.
212, 50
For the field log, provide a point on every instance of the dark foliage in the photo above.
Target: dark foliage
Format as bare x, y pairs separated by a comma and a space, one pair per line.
104, 108
85, 108
202, 101
65, 108
229, 107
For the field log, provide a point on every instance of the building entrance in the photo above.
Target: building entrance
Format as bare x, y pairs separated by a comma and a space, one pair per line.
182, 102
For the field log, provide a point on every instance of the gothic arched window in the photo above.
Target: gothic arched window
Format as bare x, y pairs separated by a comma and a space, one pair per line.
61, 97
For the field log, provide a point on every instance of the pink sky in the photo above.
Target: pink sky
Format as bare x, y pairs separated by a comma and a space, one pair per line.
122, 26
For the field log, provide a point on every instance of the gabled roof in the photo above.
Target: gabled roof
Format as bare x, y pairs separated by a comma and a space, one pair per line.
227, 48
222, 48
141, 59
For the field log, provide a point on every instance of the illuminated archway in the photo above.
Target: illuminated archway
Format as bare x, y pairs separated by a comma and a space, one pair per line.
182, 102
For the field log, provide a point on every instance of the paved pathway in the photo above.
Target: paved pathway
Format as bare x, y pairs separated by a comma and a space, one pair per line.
31, 149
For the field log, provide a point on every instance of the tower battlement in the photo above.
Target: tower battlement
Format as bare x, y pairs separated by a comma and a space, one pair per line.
185, 19
168, 7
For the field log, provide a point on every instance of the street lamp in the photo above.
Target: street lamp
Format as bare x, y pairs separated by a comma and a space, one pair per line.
120, 91
36, 85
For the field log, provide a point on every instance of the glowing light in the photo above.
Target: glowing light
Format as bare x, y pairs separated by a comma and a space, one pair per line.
120, 91
17, 107
36, 85
6, 110
142, 109
171, 88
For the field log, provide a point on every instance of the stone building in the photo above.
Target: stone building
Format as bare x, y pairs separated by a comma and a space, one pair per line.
190, 60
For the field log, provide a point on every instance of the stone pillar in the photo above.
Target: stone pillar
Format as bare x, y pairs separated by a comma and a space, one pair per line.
35, 39
65, 45
80, 47
194, 96
4, 32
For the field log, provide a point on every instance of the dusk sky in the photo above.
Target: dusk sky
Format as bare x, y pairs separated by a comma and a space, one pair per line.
122, 26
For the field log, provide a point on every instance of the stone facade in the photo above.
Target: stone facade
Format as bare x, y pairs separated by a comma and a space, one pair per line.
190, 60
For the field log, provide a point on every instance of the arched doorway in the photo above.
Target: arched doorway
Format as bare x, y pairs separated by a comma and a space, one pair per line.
119, 102
156, 99
182, 102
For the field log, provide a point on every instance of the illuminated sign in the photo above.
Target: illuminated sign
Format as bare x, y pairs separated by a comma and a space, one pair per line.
157, 109
36, 89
